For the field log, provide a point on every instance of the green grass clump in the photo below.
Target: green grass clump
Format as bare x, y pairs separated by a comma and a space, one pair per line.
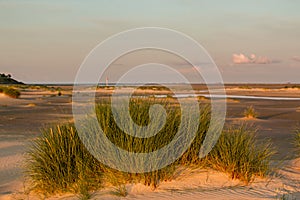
239, 153
139, 111
58, 162
191, 156
10, 91
250, 112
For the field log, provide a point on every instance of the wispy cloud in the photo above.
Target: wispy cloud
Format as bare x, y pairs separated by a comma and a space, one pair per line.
252, 59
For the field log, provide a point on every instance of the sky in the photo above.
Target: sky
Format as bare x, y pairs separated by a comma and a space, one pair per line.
250, 41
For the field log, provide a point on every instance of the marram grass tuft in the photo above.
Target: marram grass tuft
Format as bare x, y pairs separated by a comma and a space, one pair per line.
59, 162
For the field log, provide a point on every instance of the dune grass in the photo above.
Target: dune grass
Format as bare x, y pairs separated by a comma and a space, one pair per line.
250, 112
139, 110
59, 162
241, 155
10, 91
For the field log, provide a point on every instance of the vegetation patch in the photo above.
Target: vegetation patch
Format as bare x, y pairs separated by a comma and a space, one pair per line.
10, 91
59, 162
246, 87
239, 153
292, 86
250, 112
7, 79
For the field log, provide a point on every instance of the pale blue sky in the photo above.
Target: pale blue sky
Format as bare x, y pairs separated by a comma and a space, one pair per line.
46, 41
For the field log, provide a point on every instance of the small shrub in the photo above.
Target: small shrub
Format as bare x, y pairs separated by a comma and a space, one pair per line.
59, 93
250, 112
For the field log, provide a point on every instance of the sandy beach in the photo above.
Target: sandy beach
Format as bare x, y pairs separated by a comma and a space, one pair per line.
164, 100
21, 120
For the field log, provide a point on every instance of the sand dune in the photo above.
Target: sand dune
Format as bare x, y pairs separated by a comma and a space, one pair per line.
204, 184
21, 119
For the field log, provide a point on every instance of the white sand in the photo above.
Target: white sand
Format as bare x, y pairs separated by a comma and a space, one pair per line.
11, 161
194, 184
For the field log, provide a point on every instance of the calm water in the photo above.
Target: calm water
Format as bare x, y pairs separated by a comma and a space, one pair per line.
230, 96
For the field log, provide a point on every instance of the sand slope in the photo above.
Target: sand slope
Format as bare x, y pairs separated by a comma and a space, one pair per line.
203, 184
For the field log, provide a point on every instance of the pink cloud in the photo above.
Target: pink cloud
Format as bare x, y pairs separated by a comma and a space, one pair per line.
296, 58
253, 59
240, 59
262, 60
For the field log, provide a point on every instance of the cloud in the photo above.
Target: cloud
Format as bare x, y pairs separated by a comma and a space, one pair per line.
252, 59
296, 58
240, 59
262, 60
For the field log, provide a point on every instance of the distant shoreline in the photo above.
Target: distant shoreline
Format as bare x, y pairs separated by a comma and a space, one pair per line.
255, 85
